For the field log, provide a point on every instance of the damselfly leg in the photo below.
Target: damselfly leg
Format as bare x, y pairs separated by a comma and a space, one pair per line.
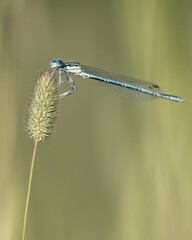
68, 81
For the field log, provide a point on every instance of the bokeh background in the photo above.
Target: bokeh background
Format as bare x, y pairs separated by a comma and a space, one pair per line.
116, 168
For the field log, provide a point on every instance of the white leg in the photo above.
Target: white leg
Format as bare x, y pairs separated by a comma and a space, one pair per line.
69, 81
73, 89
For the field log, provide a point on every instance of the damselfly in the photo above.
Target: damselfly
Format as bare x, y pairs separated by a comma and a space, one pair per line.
125, 85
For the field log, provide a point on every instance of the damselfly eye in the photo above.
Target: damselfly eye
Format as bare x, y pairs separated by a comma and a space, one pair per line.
59, 62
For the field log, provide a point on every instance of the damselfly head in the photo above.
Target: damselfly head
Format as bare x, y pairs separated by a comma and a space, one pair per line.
54, 64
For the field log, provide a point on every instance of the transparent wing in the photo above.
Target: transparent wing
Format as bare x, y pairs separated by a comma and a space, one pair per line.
127, 81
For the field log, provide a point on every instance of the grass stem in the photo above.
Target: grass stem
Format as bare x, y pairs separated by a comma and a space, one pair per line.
29, 191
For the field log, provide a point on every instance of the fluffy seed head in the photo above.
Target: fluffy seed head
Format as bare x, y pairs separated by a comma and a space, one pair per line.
41, 113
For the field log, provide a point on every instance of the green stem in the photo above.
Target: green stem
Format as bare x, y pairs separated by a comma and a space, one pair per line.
29, 191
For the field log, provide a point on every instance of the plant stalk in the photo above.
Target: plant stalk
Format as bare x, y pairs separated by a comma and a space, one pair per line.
29, 191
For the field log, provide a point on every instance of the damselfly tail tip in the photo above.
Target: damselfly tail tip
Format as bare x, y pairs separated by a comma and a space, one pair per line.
173, 98
177, 99
181, 99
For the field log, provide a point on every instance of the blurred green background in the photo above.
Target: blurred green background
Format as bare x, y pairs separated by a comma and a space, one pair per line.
116, 168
